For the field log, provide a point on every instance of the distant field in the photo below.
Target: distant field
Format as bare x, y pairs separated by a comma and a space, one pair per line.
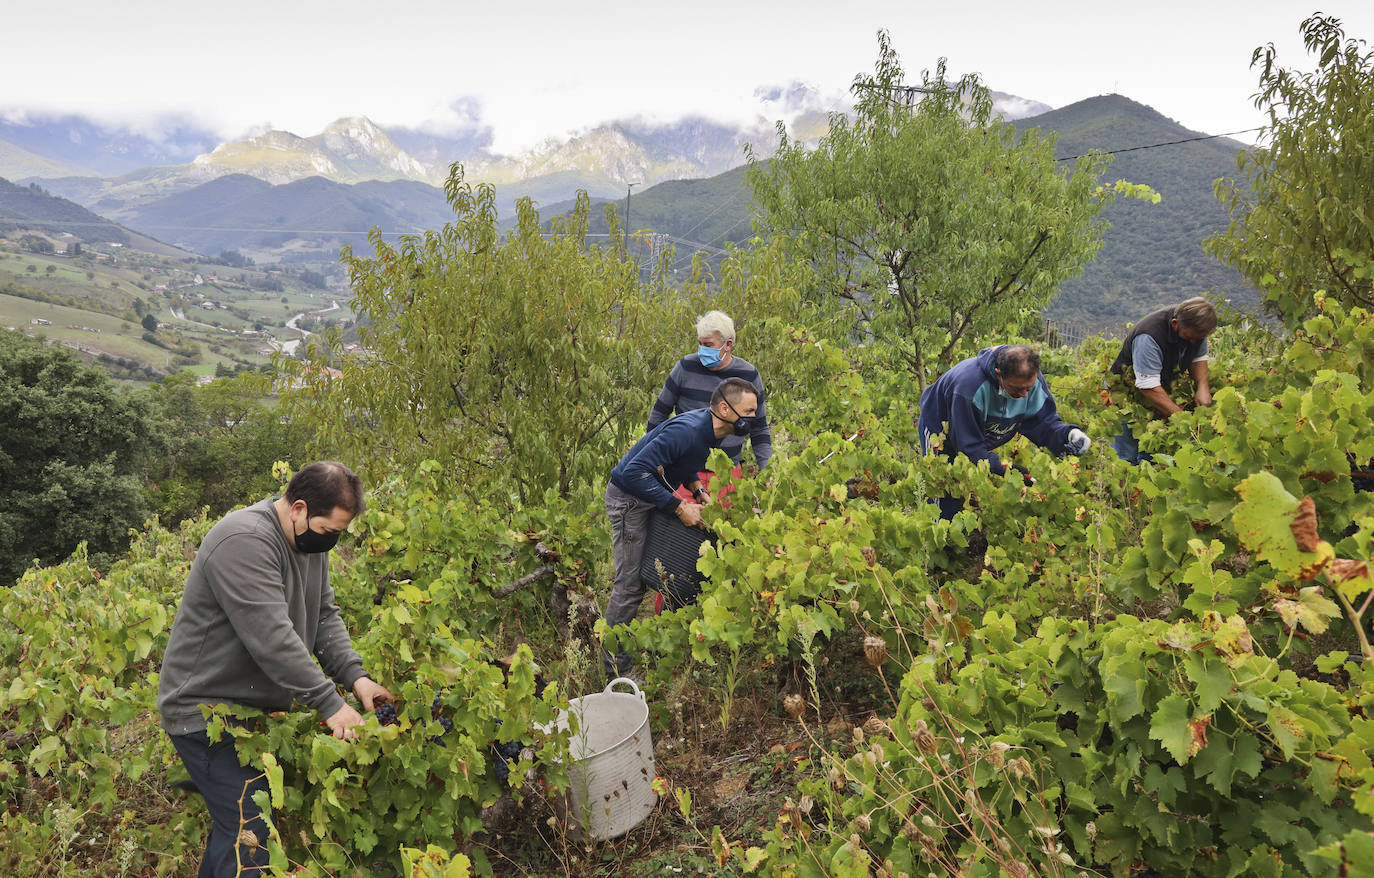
113, 279
69, 278
117, 338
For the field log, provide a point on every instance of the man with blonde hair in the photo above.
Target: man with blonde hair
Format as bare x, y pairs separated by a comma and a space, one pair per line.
697, 375
1157, 348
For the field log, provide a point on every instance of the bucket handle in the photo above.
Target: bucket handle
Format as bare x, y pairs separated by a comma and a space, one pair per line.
610, 687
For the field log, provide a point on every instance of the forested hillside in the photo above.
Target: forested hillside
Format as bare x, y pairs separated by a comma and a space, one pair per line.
1092, 668
709, 212
1152, 255
239, 212
33, 207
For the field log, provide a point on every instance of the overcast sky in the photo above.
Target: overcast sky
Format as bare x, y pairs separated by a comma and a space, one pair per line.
536, 69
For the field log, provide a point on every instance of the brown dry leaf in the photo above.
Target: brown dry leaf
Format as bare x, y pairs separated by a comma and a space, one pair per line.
729, 786
1199, 729
1345, 569
1304, 526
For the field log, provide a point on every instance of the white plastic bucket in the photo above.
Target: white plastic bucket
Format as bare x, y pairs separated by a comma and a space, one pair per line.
612, 760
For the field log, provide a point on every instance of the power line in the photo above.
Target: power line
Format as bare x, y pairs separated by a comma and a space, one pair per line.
291, 231
1155, 145
717, 210
908, 92
112, 224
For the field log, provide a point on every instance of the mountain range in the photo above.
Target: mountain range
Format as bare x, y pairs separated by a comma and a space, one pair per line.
77, 146
1151, 254
118, 172
278, 194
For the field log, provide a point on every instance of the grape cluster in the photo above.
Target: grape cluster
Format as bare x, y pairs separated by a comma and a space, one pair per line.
502, 753
386, 713
443, 721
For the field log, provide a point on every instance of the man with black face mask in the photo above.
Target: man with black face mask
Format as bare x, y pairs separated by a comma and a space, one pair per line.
258, 626
667, 457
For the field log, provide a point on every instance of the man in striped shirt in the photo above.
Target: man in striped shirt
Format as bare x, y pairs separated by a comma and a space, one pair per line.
696, 376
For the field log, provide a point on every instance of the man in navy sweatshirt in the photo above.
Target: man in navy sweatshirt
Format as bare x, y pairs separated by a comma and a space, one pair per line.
984, 401
667, 457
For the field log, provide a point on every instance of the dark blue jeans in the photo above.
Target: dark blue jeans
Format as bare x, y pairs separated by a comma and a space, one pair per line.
228, 790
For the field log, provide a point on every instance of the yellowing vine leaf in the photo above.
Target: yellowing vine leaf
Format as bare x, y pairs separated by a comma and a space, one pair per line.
1353, 578
1279, 528
1232, 640
1310, 610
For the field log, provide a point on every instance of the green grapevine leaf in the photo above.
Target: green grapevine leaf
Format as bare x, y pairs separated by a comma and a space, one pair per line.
1212, 681
1169, 726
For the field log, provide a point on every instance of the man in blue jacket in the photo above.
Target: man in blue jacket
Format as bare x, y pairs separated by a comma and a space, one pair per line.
984, 401
667, 457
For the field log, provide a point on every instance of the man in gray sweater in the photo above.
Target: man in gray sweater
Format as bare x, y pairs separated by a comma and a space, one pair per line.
256, 614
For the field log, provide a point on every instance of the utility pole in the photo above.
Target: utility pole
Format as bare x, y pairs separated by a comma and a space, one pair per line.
628, 187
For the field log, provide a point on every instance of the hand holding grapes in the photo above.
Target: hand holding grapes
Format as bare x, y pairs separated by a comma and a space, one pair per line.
343, 723
370, 692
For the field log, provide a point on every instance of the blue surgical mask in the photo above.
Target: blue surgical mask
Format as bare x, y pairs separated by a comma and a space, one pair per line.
710, 357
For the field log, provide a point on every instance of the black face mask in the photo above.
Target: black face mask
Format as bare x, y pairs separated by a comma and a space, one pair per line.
742, 424
313, 542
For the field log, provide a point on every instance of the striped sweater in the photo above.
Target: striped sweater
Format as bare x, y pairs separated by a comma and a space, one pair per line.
690, 385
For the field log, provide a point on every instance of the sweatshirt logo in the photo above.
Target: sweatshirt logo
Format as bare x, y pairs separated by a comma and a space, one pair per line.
999, 430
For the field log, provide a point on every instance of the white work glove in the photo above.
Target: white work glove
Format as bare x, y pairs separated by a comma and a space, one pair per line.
1079, 442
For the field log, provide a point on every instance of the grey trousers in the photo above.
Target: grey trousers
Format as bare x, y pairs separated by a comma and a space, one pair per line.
629, 517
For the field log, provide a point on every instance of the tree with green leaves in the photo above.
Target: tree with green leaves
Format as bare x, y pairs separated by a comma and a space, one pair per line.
72, 446
523, 361
528, 357
1301, 218
218, 443
934, 217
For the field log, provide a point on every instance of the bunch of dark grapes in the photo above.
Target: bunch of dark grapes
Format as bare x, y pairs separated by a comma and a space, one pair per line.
386, 713
443, 721
502, 753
